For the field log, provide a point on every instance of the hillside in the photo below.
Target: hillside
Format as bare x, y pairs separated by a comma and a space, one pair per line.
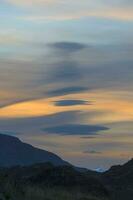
49, 182
14, 152
120, 181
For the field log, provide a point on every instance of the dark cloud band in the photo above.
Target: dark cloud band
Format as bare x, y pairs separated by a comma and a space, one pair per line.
66, 91
75, 129
68, 47
71, 102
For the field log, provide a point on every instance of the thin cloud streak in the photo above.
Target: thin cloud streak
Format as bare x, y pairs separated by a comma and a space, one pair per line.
111, 14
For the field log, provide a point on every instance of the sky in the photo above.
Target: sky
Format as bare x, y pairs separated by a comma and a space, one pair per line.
66, 78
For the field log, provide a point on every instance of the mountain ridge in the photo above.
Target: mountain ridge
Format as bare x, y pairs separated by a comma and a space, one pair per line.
15, 152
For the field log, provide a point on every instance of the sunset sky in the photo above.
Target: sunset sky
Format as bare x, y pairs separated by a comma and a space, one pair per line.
66, 77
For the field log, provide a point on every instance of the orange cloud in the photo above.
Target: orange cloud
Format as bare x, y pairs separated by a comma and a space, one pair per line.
111, 107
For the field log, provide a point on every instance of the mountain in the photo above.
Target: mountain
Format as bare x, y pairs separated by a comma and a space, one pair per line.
14, 152
119, 180
29, 173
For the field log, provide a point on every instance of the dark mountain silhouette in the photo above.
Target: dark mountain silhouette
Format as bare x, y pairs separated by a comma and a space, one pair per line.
14, 152
30, 173
120, 181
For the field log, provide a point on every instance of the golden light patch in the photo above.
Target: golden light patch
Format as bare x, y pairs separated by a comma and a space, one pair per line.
32, 109
106, 106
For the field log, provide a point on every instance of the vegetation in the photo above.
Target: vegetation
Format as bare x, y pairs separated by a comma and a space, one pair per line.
35, 193
47, 182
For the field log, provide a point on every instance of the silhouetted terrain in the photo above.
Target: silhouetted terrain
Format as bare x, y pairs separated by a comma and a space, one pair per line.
120, 181
57, 180
46, 181
14, 152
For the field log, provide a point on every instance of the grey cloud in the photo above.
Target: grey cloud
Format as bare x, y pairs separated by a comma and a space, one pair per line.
87, 137
75, 129
71, 102
120, 3
65, 67
92, 152
67, 90
66, 71
33, 125
68, 47
101, 67
125, 3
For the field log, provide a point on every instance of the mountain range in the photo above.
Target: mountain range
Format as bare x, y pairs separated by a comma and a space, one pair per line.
28, 173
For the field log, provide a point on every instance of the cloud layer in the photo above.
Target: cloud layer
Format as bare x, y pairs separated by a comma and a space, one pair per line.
66, 77
68, 10
71, 102
75, 129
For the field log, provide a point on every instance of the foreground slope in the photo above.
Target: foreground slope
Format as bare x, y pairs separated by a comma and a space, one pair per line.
49, 182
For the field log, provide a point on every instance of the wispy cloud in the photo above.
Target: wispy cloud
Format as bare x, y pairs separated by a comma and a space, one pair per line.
68, 10
67, 91
111, 14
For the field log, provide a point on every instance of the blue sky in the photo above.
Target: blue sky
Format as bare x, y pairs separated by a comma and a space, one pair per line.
69, 65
